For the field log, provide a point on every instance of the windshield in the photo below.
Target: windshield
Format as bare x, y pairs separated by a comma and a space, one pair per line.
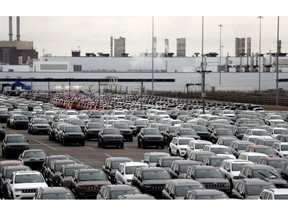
29, 178
200, 145
19, 139
35, 154
73, 129
256, 189
267, 151
237, 166
153, 175
111, 131
182, 190
211, 197
188, 132
92, 176
221, 150
260, 133
184, 141
281, 196
95, 126
284, 147
40, 121
60, 196
216, 161
261, 173
131, 169
275, 163
208, 173
152, 132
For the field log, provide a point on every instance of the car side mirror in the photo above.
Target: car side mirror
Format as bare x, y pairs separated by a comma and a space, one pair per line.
27, 140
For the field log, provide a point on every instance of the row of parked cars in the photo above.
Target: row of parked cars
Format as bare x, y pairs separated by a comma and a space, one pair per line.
219, 128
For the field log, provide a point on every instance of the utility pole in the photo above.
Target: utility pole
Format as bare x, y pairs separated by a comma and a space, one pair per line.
277, 63
203, 72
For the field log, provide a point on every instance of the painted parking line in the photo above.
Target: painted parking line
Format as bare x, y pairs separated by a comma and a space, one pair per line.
45, 144
89, 148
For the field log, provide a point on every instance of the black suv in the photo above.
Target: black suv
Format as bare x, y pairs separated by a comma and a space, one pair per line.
211, 177
250, 188
150, 137
125, 130
14, 145
177, 188
92, 129
110, 137
72, 134
38, 126
264, 172
151, 180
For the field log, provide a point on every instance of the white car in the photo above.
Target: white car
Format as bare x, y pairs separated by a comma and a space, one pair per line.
220, 150
24, 184
231, 169
255, 133
252, 156
126, 171
178, 146
274, 194
281, 149
196, 145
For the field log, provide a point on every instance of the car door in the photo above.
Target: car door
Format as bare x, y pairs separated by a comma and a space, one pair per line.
173, 146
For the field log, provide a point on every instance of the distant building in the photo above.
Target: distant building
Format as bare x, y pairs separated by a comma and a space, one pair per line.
166, 47
181, 47
16, 52
119, 47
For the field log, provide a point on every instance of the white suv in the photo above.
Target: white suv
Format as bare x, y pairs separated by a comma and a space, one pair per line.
178, 146
126, 171
24, 184
274, 194
220, 150
231, 169
281, 149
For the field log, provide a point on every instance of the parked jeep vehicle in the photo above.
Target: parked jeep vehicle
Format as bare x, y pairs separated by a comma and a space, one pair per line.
72, 134
211, 177
24, 184
148, 137
86, 183
177, 188
13, 145
151, 180
125, 130
33, 158
92, 129
38, 126
111, 165
110, 137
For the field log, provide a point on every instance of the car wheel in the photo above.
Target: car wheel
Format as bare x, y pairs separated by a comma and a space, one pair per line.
64, 142
178, 153
83, 143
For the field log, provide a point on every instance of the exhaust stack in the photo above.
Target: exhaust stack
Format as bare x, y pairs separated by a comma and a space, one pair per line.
18, 28
10, 29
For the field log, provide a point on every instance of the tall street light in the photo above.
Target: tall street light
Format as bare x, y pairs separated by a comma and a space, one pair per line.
153, 48
259, 70
277, 63
220, 53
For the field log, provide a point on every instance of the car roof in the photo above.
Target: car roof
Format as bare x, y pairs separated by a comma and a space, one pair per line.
48, 190
207, 191
136, 196
134, 163
119, 159
259, 166
179, 182
255, 181
231, 160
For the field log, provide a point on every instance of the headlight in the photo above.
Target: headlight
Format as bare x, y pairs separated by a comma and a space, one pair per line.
18, 190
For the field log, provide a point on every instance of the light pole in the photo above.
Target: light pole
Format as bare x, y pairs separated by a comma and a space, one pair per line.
220, 53
153, 48
277, 63
259, 55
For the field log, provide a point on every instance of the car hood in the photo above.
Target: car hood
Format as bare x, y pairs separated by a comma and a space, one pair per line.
212, 180
158, 181
30, 185
277, 181
17, 143
228, 155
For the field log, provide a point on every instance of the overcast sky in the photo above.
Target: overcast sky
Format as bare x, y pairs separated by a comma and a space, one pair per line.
89, 28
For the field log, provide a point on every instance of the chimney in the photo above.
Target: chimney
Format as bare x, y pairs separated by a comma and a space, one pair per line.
18, 28
10, 28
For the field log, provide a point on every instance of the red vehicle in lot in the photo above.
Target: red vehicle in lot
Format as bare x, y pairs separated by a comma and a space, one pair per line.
86, 183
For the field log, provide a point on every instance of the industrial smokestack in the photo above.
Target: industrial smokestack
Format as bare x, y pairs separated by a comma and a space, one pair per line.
18, 28
10, 28
111, 46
